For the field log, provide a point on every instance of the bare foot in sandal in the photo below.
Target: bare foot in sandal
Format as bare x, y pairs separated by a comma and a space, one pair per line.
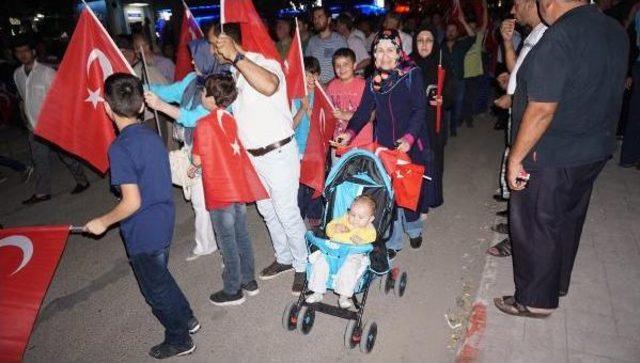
509, 305
500, 249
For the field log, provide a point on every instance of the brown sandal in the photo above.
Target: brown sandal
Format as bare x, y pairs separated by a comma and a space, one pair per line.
509, 305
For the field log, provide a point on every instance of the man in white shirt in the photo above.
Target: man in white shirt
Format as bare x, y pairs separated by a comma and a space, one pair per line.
526, 13
33, 80
265, 128
344, 27
393, 20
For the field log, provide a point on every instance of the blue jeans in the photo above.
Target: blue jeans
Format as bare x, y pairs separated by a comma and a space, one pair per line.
163, 294
230, 225
401, 226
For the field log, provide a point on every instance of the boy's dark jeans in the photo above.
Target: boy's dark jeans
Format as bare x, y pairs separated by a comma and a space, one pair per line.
230, 225
163, 294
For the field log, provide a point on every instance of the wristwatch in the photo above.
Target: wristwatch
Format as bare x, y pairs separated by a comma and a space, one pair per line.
238, 58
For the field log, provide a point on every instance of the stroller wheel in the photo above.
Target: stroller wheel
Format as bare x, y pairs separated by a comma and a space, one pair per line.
352, 335
306, 318
388, 283
289, 316
369, 334
401, 284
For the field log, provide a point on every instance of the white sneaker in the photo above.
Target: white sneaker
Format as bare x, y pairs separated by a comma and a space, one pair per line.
314, 298
344, 302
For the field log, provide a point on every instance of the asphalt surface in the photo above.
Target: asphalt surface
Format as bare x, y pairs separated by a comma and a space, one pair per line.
94, 312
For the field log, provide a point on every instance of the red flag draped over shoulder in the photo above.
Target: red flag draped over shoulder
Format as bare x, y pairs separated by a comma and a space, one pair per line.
190, 30
28, 258
322, 124
255, 36
294, 68
73, 115
227, 172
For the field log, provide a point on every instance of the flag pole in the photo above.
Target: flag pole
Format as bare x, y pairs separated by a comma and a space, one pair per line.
222, 17
304, 74
145, 76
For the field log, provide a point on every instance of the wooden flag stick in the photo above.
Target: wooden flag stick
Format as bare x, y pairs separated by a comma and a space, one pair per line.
145, 77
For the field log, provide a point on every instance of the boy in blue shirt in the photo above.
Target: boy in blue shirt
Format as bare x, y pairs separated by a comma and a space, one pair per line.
140, 168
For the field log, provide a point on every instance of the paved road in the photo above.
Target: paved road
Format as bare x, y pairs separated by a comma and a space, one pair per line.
598, 321
94, 312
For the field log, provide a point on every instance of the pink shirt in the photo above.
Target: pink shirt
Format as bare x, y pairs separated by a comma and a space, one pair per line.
346, 96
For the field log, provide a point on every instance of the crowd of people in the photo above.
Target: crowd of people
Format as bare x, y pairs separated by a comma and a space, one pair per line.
554, 73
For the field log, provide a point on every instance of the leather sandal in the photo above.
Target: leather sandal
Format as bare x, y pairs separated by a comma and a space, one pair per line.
509, 305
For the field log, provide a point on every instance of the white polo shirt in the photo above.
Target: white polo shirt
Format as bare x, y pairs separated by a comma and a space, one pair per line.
262, 120
33, 89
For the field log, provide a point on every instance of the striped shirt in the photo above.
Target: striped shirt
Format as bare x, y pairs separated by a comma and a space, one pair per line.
322, 50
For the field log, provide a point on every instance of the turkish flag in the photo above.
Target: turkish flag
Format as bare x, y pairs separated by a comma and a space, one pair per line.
322, 124
73, 115
255, 36
28, 258
441, 76
406, 177
190, 30
294, 68
227, 173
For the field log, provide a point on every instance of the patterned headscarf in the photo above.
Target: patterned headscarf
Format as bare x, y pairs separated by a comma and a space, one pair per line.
383, 80
207, 64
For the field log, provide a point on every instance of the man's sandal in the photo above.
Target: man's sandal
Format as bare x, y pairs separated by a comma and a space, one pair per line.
509, 305
500, 249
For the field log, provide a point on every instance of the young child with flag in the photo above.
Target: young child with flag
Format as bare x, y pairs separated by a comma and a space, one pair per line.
310, 208
230, 182
346, 91
140, 168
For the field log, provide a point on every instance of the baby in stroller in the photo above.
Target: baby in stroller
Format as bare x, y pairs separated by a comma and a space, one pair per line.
355, 227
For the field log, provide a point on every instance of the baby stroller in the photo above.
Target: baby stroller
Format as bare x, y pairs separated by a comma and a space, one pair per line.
358, 172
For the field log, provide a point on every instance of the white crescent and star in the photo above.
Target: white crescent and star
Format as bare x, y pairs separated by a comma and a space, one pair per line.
107, 70
235, 145
22, 243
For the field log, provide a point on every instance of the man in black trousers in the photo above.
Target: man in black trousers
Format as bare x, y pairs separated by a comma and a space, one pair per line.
565, 112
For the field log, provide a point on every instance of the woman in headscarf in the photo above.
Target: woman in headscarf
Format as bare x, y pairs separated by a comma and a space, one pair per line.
426, 55
396, 92
188, 94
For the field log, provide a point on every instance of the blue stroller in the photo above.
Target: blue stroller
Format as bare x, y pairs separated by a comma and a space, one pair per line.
358, 172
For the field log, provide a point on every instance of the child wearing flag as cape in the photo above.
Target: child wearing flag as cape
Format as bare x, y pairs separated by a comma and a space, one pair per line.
229, 183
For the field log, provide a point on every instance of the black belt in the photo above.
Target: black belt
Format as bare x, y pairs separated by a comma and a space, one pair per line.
269, 148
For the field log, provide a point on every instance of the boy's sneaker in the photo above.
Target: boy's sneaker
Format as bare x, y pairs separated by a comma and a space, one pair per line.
194, 325
314, 298
251, 288
344, 302
166, 350
274, 270
221, 298
298, 283
416, 242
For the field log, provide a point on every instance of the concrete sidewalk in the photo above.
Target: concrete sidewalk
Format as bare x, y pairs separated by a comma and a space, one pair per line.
598, 320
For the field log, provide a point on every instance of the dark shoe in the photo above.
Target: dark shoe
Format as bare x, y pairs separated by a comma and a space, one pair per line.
415, 242
499, 198
502, 228
454, 134
251, 288
562, 293
274, 270
501, 249
80, 188
221, 298
194, 325
503, 213
166, 350
298, 283
36, 199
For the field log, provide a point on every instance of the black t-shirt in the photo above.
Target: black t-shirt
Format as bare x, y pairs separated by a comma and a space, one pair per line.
580, 63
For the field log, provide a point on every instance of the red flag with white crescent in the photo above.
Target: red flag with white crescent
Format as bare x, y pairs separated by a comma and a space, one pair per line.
190, 30
255, 36
28, 259
227, 173
294, 68
322, 125
73, 115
